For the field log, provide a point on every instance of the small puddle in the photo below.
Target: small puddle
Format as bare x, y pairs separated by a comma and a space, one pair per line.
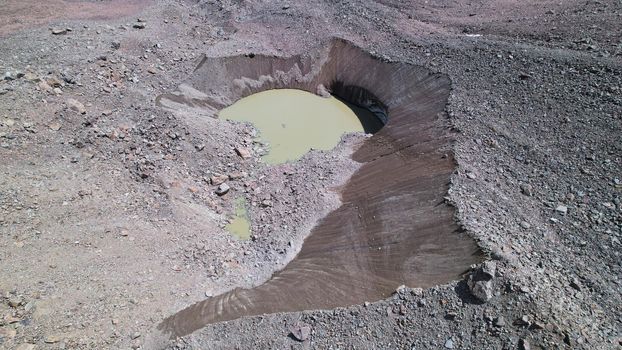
295, 121
240, 226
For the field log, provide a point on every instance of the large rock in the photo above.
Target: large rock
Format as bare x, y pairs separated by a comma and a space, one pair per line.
480, 281
300, 331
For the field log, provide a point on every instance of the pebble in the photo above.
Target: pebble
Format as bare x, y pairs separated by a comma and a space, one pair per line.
523, 344
76, 106
523, 321
527, 190
15, 302
222, 189
32, 77
300, 331
59, 31
525, 225
54, 126
449, 343
135, 335
243, 152
139, 25
54, 82
51, 339
450, 315
43, 85
562, 209
9, 319
218, 179
575, 284
499, 321
237, 175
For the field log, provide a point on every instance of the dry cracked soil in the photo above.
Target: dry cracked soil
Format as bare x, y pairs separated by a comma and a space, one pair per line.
109, 219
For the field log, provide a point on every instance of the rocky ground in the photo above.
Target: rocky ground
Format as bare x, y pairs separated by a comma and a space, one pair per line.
110, 221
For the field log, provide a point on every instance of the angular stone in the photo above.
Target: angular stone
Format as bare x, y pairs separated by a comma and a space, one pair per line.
15, 302
526, 189
43, 85
54, 126
54, 82
76, 106
480, 281
323, 91
482, 290
237, 175
562, 209
51, 339
218, 179
32, 77
523, 344
243, 152
300, 331
222, 189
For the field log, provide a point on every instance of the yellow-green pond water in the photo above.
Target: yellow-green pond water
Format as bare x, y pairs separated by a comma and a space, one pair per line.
240, 226
294, 121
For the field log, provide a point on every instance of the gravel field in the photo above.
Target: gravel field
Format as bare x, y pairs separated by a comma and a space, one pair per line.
110, 221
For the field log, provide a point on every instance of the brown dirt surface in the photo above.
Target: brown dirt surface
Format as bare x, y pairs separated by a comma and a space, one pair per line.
109, 222
24, 14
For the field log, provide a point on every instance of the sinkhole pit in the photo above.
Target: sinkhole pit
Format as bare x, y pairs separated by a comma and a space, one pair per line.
393, 226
